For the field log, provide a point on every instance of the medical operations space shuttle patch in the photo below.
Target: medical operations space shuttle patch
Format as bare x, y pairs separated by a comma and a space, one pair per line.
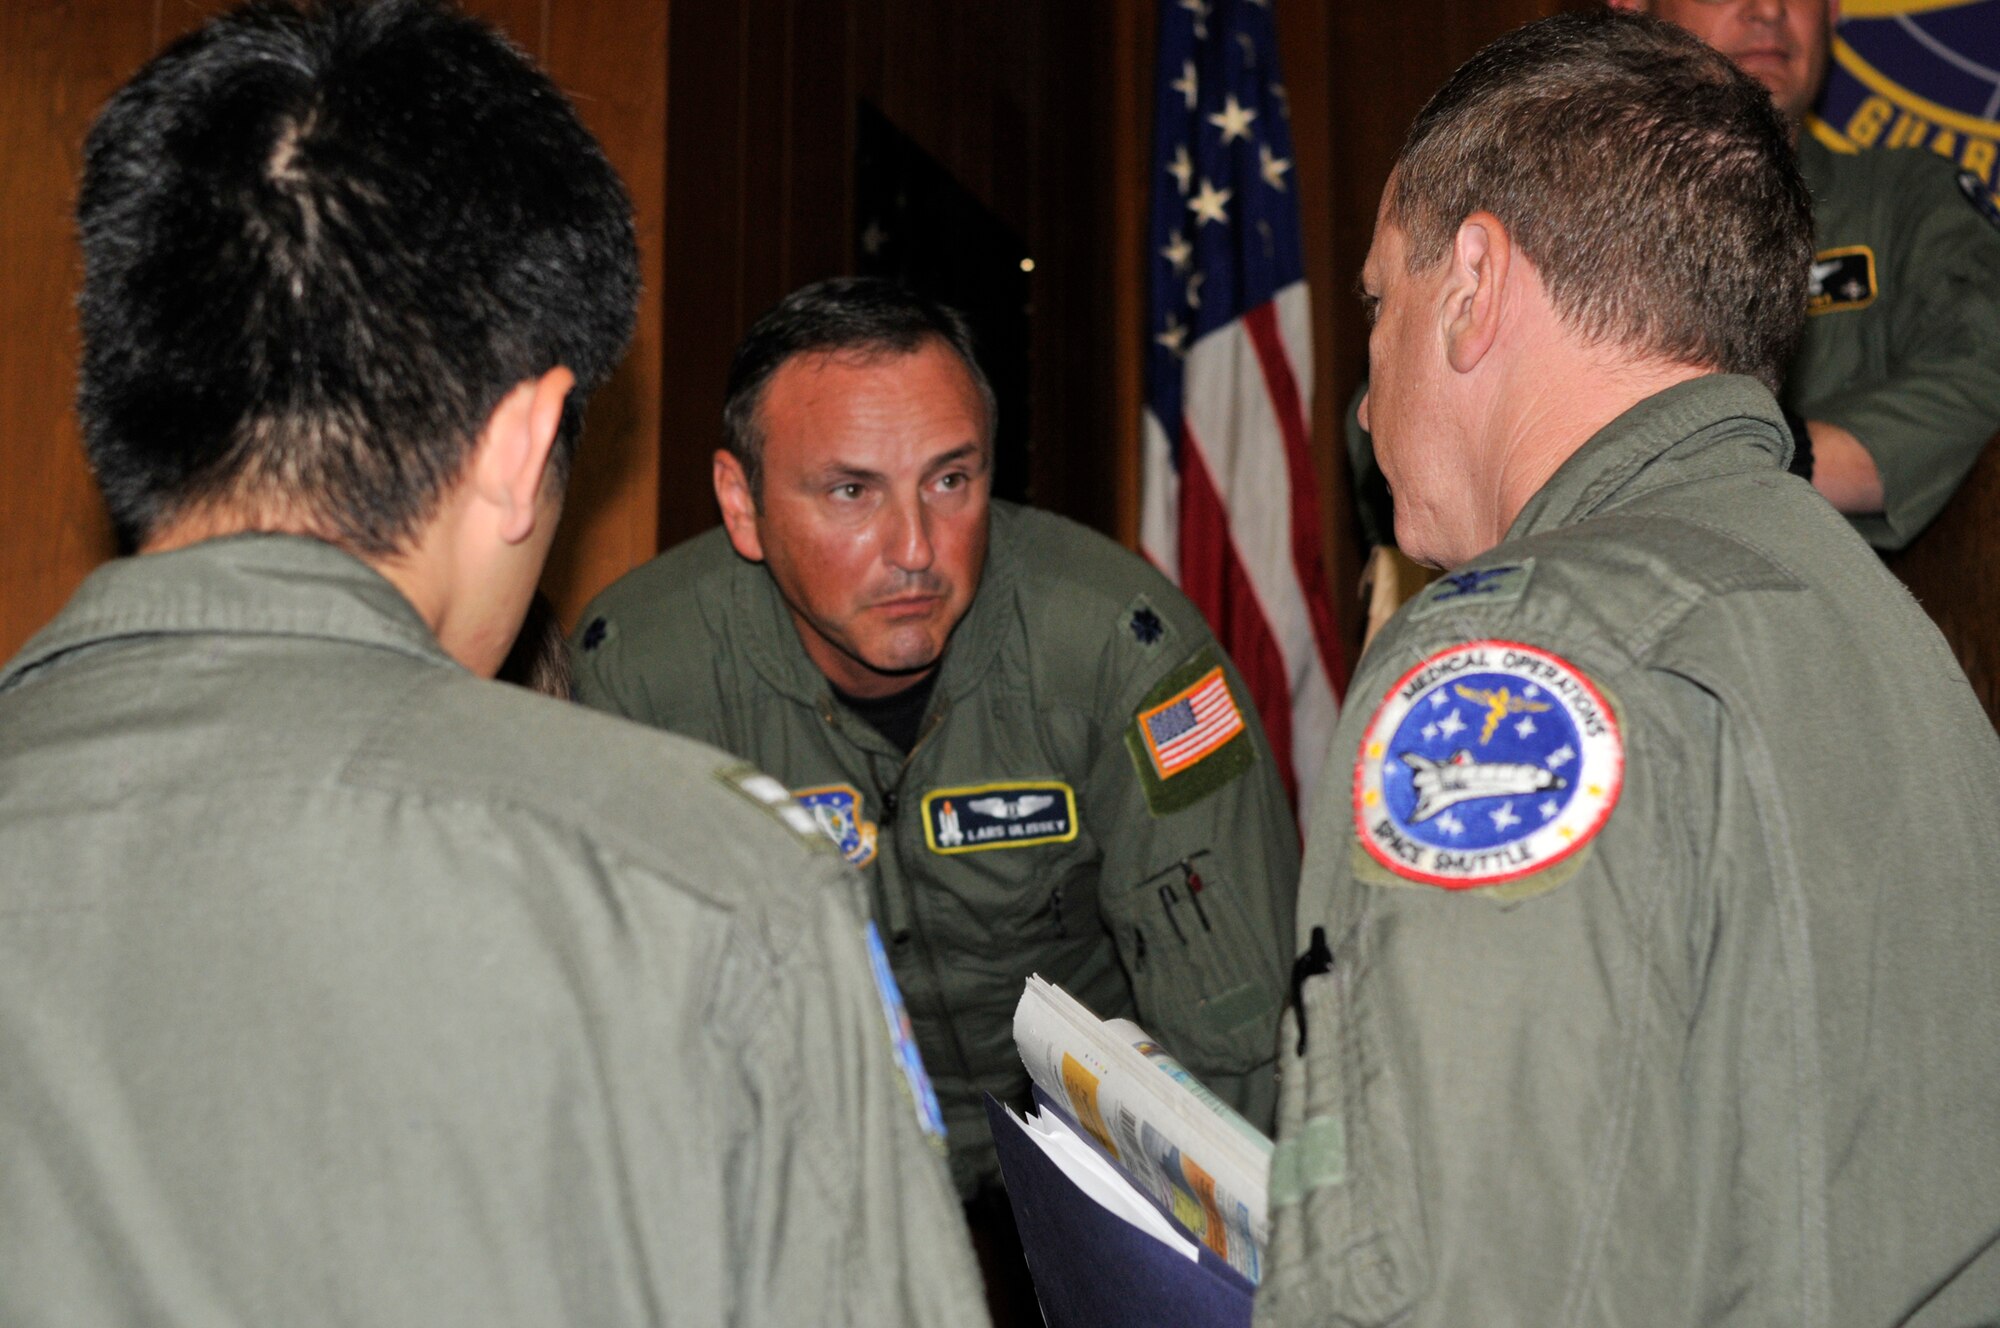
1488, 763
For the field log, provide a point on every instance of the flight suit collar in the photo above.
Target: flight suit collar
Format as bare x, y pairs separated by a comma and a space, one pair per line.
1713, 425
771, 639
242, 585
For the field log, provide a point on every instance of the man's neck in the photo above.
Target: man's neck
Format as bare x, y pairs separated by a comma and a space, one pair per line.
1556, 409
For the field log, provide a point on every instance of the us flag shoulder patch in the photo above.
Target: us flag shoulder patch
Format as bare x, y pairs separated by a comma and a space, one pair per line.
1190, 735
1191, 725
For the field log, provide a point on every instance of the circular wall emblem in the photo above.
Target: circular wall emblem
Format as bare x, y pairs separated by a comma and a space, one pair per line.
1487, 762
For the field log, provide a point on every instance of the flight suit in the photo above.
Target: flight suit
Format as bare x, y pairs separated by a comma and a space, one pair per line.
1902, 339
1032, 828
339, 986
1648, 951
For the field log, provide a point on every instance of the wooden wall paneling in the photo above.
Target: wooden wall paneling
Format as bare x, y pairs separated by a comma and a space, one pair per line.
611, 57
1088, 326
707, 79
175, 18
1134, 35
59, 61
1949, 568
769, 60
1310, 73
819, 213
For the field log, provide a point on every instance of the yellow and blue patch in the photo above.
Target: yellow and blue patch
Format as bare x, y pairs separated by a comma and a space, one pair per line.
837, 810
1488, 762
1009, 814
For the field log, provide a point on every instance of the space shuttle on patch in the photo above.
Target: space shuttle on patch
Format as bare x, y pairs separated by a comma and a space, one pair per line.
1443, 784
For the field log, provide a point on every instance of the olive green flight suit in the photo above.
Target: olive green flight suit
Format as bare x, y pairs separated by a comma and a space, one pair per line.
1902, 341
1731, 1056
1901, 345
339, 986
1168, 900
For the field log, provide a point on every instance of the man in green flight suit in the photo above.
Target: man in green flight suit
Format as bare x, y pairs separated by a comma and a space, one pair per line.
1648, 951
1024, 737
339, 984
1896, 383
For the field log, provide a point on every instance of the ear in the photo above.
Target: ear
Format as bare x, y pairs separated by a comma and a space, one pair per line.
1482, 255
1628, 6
510, 459
739, 505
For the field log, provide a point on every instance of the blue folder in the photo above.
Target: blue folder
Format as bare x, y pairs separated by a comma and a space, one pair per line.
1092, 1268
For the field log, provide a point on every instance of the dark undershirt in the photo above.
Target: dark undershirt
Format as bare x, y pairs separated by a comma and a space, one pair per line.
896, 717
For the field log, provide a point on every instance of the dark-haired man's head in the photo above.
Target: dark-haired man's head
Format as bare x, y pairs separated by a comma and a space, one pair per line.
856, 466
325, 245
1783, 44
852, 317
1600, 192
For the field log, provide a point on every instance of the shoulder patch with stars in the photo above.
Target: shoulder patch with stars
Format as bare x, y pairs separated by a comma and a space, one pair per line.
775, 798
1479, 586
1841, 278
1981, 198
1189, 737
837, 810
1488, 763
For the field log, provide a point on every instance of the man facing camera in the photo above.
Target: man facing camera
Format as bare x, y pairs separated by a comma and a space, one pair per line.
1648, 967
339, 984
1023, 736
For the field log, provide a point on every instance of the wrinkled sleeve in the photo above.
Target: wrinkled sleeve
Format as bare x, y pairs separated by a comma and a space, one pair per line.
1485, 1109
1200, 896
840, 1209
1926, 421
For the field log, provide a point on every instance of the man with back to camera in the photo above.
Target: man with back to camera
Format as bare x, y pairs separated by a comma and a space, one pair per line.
337, 983
1895, 386
1024, 736
1648, 954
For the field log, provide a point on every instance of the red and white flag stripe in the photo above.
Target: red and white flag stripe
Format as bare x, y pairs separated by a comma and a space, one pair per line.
1237, 527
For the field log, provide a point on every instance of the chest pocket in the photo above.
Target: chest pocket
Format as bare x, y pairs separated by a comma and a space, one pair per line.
1204, 977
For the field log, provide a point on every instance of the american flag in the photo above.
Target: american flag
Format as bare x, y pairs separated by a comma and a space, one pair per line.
1187, 727
1229, 507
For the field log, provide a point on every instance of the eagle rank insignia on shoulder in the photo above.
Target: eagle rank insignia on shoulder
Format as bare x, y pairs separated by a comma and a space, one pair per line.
1486, 763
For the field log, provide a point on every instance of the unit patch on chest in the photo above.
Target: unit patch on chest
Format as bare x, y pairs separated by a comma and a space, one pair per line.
1841, 278
837, 809
1488, 762
1012, 814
